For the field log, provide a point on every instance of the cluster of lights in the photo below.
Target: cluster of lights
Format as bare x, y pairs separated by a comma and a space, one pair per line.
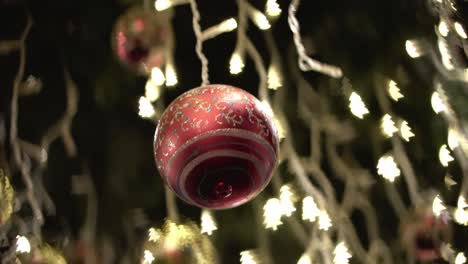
274, 78
276, 208
148, 257
438, 206
341, 254
388, 126
387, 168
394, 91
357, 106
272, 8
405, 131
444, 156
236, 64
248, 257
310, 210
22, 244
461, 212
208, 224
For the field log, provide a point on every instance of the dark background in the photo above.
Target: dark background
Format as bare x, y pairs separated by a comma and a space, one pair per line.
363, 37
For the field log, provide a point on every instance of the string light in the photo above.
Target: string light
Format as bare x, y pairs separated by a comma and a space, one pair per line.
161, 5
22, 245
445, 54
157, 76
357, 106
388, 126
171, 76
305, 259
324, 221
208, 224
413, 49
146, 109
274, 79
437, 103
272, 8
259, 19
461, 212
248, 257
272, 213
444, 156
236, 64
460, 30
452, 139
443, 28
394, 91
287, 199
387, 168
438, 206
405, 131
148, 257
460, 258
152, 91
310, 210
341, 254
153, 235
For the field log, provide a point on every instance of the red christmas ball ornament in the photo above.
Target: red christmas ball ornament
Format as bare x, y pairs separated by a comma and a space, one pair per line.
216, 146
140, 38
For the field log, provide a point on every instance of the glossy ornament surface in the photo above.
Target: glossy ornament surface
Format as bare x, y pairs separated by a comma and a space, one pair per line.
216, 146
140, 38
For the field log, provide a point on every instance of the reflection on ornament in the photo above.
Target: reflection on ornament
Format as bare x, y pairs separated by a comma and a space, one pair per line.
423, 233
140, 38
216, 147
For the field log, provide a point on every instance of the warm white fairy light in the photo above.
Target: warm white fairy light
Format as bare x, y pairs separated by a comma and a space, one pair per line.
152, 91
248, 257
445, 54
324, 221
272, 8
287, 198
236, 64
157, 76
272, 213
310, 210
341, 254
145, 107
387, 168
460, 30
405, 131
274, 79
394, 91
437, 103
444, 156
171, 76
161, 5
357, 106
305, 259
148, 257
153, 235
438, 206
260, 19
388, 126
208, 224
461, 212
443, 28
22, 245
413, 49
460, 258
452, 139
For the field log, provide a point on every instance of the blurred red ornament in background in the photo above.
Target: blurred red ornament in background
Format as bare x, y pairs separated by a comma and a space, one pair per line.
216, 146
140, 39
